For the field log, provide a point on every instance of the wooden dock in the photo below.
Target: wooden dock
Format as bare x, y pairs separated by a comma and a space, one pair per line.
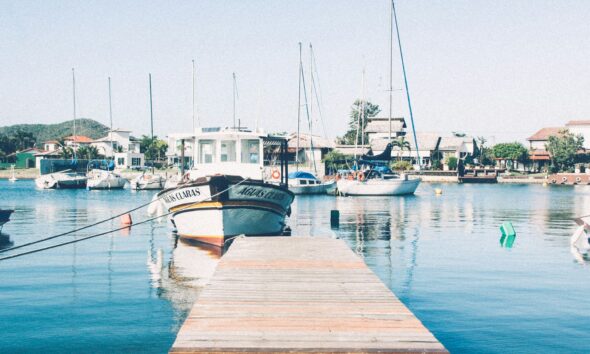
296, 294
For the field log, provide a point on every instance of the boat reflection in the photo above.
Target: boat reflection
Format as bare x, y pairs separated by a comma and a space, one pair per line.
5, 241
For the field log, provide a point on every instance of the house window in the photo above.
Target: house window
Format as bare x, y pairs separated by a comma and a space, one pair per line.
135, 161
121, 161
250, 151
228, 150
207, 151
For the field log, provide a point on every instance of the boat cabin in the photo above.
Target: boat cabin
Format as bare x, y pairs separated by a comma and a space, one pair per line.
239, 152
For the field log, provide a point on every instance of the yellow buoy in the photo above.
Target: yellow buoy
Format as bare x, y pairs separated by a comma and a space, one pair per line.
544, 184
438, 191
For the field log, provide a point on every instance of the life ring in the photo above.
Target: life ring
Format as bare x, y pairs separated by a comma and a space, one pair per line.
578, 180
361, 176
553, 180
276, 174
563, 179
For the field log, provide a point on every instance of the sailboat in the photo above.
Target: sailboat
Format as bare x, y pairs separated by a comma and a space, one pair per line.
374, 176
12, 177
302, 182
103, 177
70, 179
147, 180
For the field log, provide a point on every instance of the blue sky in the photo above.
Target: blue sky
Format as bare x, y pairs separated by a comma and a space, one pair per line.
497, 68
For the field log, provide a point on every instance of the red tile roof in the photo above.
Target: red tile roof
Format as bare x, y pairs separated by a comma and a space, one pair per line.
544, 134
79, 139
578, 122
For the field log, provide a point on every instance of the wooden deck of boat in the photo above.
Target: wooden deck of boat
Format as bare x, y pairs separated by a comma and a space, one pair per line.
299, 294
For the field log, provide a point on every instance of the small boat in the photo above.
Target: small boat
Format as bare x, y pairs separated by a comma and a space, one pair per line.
13, 177
62, 180
101, 179
148, 181
301, 182
226, 193
376, 182
4, 217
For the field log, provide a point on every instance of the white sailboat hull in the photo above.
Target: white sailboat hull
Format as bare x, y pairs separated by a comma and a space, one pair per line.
322, 188
148, 182
61, 180
110, 182
378, 186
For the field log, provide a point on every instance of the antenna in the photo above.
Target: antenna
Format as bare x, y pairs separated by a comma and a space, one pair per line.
151, 110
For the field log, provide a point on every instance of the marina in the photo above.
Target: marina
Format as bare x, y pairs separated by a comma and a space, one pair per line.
261, 179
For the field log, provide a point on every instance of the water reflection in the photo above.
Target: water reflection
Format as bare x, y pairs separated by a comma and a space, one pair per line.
5, 241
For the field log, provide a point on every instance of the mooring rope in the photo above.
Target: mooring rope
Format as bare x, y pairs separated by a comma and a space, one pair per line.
109, 231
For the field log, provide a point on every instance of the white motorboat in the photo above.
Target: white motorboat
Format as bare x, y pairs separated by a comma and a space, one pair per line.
12, 177
301, 182
101, 179
373, 182
148, 181
226, 193
172, 181
62, 180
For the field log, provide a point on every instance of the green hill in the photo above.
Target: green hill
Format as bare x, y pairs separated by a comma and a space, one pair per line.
45, 132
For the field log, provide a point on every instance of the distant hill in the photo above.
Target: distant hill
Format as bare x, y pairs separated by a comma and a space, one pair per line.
45, 132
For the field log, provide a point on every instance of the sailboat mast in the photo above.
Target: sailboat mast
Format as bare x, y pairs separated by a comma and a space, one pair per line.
390, 71
399, 42
151, 111
234, 76
298, 112
111, 118
74, 100
311, 107
194, 96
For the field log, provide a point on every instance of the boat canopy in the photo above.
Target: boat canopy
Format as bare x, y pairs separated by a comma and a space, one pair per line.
302, 174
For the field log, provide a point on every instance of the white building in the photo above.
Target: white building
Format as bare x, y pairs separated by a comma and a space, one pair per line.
116, 141
129, 160
51, 145
580, 127
378, 128
174, 151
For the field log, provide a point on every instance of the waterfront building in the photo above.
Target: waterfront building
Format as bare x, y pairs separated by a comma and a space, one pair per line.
174, 152
377, 129
75, 142
116, 141
51, 145
307, 155
580, 127
538, 153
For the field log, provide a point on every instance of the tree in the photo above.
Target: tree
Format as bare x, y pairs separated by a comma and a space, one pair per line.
563, 149
335, 160
66, 152
452, 162
154, 149
87, 152
511, 152
370, 110
402, 144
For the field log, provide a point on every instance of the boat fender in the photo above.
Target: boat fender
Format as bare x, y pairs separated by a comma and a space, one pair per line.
563, 179
578, 180
361, 176
276, 174
553, 180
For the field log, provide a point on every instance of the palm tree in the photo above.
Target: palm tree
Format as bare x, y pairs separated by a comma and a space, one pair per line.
66, 152
481, 141
402, 144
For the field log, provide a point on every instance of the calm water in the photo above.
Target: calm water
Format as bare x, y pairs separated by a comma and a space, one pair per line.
440, 255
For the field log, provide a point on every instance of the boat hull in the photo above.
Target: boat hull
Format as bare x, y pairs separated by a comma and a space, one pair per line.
323, 188
111, 183
218, 208
61, 181
387, 187
152, 183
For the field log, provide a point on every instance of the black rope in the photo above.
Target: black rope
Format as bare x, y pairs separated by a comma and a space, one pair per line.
110, 231
80, 229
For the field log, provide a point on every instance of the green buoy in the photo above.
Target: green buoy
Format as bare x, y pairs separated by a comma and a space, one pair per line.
508, 234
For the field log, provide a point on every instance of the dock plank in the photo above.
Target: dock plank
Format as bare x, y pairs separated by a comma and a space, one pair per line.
304, 295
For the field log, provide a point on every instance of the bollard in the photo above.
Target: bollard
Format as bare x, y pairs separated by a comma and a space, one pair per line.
126, 220
334, 218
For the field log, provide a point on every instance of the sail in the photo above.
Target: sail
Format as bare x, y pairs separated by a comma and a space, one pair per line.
384, 156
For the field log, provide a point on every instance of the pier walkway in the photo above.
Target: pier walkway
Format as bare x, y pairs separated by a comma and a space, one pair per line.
299, 294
